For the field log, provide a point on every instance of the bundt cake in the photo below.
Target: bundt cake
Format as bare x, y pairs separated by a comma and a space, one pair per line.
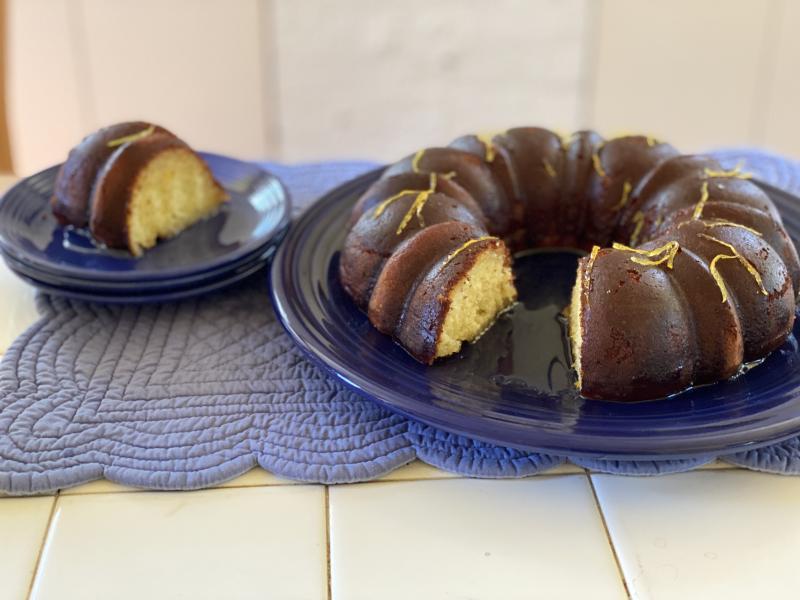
689, 272
133, 184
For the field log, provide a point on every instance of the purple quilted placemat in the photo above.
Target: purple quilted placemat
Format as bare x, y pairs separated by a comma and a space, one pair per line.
189, 394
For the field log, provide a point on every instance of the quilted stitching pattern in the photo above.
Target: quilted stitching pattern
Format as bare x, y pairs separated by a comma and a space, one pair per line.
190, 394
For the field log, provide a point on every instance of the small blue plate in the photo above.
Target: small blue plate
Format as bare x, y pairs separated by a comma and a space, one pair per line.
141, 288
258, 209
148, 296
513, 386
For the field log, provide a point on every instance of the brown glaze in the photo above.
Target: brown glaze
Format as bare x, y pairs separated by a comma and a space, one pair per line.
76, 177
637, 331
471, 173
115, 183
536, 160
765, 319
494, 153
619, 166
772, 231
375, 237
414, 256
653, 324
386, 187
428, 303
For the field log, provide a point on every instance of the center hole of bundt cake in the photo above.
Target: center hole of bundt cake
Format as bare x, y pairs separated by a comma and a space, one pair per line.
527, 346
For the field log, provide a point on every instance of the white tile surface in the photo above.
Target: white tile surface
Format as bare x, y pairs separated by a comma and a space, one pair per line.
415, 470
458, 538
419, 470
381, 79
234, 543
23, 522
724, 534
17, 307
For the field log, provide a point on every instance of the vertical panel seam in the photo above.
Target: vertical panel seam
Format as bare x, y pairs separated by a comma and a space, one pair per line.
77, 27
764, 80
269, 51
593, 11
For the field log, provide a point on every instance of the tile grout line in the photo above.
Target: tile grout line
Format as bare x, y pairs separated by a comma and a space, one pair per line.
287, 484
328, 541
41, 547
602, 516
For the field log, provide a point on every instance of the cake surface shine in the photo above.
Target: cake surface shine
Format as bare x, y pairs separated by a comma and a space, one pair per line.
689, 272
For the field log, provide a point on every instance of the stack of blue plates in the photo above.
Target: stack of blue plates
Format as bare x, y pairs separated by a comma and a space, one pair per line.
213, 254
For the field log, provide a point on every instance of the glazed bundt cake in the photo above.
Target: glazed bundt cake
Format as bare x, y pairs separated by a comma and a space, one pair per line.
133, 184
689, 272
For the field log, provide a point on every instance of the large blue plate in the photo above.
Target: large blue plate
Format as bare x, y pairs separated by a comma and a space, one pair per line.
513, 387
259, 209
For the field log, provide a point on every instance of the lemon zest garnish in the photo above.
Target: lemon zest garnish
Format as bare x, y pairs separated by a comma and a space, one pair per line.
488, 145
666, 253
466, 245
592, 256
587, 272
385, 203
626, 192
549, 168
723, 223
651, 141
566, 138
698, 209
133, 137
736, 173
638, 220
735, 255
416, 159
598, 166
416, 206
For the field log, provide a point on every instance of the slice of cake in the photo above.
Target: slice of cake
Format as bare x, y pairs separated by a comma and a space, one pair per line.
146, 185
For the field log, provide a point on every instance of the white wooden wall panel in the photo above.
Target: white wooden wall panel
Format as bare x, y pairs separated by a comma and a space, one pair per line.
193, 65
378, 79
684, 70
315, 79
782, 110
45, 114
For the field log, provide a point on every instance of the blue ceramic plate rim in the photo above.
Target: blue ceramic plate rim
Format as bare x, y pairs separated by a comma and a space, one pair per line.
215, 161
292, 307
155, 296
95, 287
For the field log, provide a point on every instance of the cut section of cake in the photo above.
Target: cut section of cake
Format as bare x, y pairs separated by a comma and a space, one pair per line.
134, 184
151, 190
